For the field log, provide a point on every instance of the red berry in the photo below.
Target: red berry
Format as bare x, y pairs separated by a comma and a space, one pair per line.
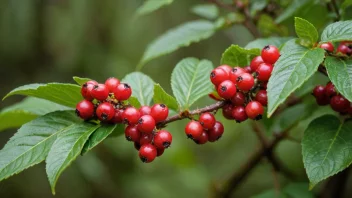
216, 132
146, 124
105, 111
319, 91
254, 110
329, 47
202, 139
238, 99
344, 49
147, 153
227, 111
159, 112
118, 116
270, 54
245, 82
122, 92
162, 139
87, 88
262, 97
264, 71
248, 69
100, 92
132, 133
159, 151
227, 89
131, 115
235, 73
339, 103
145, 110
111, 84
225, 68
85, 109
256, 61
207, 120
146, 138
218, 75
239, 113
330, 90
193, 129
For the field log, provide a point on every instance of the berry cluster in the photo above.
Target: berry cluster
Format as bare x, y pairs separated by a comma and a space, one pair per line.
244, 89
344, 48
106, 102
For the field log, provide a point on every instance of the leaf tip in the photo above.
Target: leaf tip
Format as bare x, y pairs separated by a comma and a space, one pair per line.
311, 185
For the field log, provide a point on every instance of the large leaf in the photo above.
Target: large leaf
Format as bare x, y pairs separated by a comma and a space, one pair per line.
326, 147
142, 87
260, 43
67, 146
290, 10
340, 74
152, 5
338, 31
209, 11
295, 66
306, 30
160, 96
190, 81
65, 94
31, 144
238, 56
176, 38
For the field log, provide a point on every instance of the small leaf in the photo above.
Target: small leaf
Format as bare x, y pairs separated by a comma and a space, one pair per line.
295, 66
65, 94
190, 81
238, 56
295, 6
152, 5
306, 30
80, 81
340, 74
338, 31
134, 102
262, 42
209, 11
326, 148
181, 36
160, 96
142, 87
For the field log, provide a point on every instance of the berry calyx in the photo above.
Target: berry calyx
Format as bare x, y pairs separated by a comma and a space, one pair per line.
202, 139
100, 92
132, 133
112, 83
193, 129
145, 110
216, 132
256, 61
162, 139
238, 99
86, 90
339, 103
146, 124
218, 75
270, 54
159, 112
227, 89
245, 82
122, 92
105, 111
85, 109
262, 97
147, 153
207, 120
254, 110
264, 71
329, 47
239, 114
131, 115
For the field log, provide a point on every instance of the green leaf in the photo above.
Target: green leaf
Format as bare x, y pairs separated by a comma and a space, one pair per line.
346, 4
25, 111
268, 27
31, 144
290, 10
80, 80
260, 43
238, 56
176, 38
142, 87
338, 31
340, 74
134, 102
326, 148
190, 81
305, 30
67, 146
209, 11
160, 96
151, 5
272, 193
65, 94
298, 190
295, 66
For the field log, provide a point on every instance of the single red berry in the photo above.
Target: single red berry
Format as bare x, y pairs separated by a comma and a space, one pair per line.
145, 110
146, 124
137, 146
105, 111
319, 91
147, 153
118, 116
344, 49
159, 112
238, 99
235, 73
193, 129
264, 71
262, 97
122, 92
100, 92
330, 90
270, 54
85, 109
87, 88
111, 84
227, 89
146, 138
218, 75
132, 133
202, 139
329, 47
245, 82
162, 139
254, 110
227, 111
256, 61
207, 120
225, 68
248, 69
239, 113
159, 151
131, 115
339, 103
216, 132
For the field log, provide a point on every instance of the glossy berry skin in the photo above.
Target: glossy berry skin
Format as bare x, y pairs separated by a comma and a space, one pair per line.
319, 91
100, 92
85, 109
147, 153
117, 116
227, 89
235, 73
159, 112
329, 47
218, 75
87, 88
131, 115
112, 83
225, 68
344, 49
146, 124
193, 129
227, 111
330, 90
202, 139
262, 97
248, 69
162, 139
256, 61
264, 71
207, 120
245, 82
216, 132
270, 54
122, 92
254, 110
239, 114
145, 110
132, 133
146, 138
105, 111
238, 99
159, 152
339, 103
